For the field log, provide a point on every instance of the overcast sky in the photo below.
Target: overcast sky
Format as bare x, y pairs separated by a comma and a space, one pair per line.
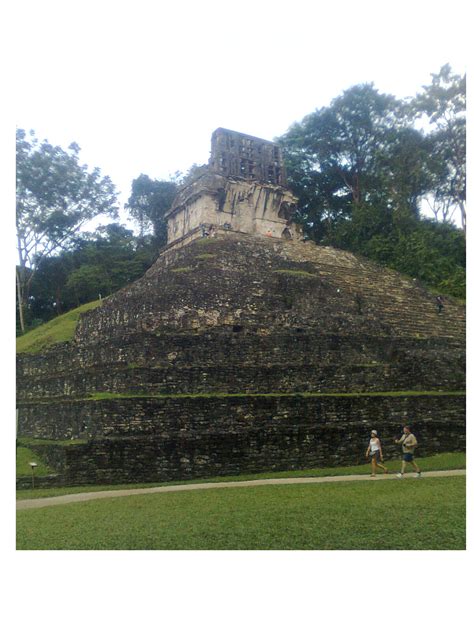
141, 85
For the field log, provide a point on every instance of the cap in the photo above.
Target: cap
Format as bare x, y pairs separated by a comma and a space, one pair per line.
373, 432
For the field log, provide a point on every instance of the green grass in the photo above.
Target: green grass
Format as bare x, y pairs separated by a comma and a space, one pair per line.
25, 456
28, 442
102, 395
60, 329
411, 514
205, 255
444, 461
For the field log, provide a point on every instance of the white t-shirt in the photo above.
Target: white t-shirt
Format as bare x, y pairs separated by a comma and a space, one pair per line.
374, 445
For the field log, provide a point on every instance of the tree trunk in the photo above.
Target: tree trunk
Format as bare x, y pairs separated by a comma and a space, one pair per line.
463, 216
20, 302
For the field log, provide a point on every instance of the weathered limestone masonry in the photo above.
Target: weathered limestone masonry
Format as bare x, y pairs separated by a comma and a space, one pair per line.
242, 189
239, 353
167, 439
244, 353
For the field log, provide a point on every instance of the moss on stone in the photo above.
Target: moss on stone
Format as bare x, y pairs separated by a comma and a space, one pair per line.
301, 273
205, 255
29, 442
102, 396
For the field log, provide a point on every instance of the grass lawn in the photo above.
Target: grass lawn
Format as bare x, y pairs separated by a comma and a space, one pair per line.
24, 456
444, 461
388, 514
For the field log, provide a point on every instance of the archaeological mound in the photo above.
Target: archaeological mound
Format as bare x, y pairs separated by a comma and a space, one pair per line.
244, 348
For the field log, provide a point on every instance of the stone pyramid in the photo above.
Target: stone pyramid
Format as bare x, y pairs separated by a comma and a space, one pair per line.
240, 352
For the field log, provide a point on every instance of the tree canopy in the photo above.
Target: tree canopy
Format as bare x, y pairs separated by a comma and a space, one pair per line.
362, 169
56, 196
443, 102
148, 203
96, 264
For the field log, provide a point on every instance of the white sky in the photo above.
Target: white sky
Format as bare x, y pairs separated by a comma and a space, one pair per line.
141, 85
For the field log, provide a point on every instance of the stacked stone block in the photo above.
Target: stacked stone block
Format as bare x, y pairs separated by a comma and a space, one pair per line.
243, 353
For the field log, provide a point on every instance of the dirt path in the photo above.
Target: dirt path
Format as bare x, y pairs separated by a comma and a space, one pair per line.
35, 503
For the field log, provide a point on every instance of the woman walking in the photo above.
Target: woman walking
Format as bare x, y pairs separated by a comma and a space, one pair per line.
374, 449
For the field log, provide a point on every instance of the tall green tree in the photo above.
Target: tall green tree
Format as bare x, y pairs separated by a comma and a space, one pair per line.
55, 197
97, 263
148, 203
361, 170
443, 103
350, 154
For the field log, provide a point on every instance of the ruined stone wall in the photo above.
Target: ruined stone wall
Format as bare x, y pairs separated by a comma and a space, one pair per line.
256, 319
142, 440
266, 284
236, 154
243, 189
240, 363
235, 204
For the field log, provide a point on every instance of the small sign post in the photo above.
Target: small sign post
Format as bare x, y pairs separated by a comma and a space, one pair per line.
33, 465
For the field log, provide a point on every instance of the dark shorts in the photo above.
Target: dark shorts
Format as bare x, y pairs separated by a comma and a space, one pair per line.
375, 455
408, 456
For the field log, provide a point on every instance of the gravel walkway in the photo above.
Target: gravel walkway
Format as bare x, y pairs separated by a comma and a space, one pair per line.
35, 503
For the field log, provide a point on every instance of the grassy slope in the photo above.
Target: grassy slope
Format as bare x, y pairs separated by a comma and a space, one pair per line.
24, 456
391, 514
60, 329
445, 461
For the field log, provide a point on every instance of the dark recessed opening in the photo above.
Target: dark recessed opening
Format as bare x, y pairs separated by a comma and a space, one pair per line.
237, 328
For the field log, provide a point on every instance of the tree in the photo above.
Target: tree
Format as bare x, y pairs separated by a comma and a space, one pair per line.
349, 154
148, 203
104, 262
46, 294
361, 170
99, 262
56, 195
444, 103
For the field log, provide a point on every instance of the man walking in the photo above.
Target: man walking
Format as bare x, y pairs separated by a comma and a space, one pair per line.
408, 442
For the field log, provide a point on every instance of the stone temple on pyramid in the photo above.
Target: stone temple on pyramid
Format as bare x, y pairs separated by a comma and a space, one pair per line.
244, 348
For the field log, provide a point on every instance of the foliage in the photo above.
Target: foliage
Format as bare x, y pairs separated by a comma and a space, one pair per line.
431, 252
96, 264
55, 197
349, 154
148, 203
277, 517
361, 170
444, 103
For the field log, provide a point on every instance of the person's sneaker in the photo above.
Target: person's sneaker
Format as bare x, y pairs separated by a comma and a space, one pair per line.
418, 475
399, 475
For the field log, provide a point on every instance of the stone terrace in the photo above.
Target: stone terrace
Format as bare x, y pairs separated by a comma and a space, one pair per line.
300, 335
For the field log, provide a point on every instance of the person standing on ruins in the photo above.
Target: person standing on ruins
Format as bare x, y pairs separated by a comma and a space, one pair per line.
374, 450
408, 442
440, 304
